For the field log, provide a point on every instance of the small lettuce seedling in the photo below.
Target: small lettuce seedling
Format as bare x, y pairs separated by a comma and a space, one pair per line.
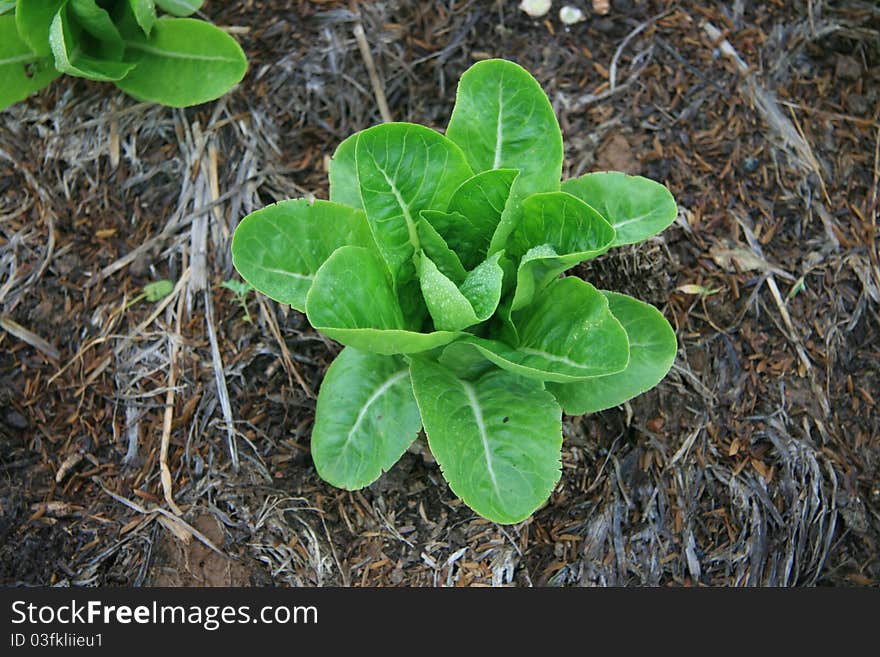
171, 60
240, 290
437, 262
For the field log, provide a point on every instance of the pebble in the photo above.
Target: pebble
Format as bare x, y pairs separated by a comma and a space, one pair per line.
750, 164
848, 68
535, 8
570, 15
856, 104
16, 420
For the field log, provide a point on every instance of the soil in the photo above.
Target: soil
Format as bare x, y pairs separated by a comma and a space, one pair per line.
755, 462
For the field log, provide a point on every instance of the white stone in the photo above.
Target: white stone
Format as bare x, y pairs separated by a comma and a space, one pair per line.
535, 8
570, 15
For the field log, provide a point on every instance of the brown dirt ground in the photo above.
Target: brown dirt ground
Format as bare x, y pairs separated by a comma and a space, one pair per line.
756, 462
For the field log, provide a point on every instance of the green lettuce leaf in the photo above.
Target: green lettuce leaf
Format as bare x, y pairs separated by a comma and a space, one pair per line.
636, 207
184, 62
457, 307
474, 212
181, 8
66, 37
652, 349
497, 438
33, 20
280, 248
96, 22
436, 248
502, 119
352, 301
365, 419
403, 169
343, 176
557, 232
567, 334
22, 72
144, 12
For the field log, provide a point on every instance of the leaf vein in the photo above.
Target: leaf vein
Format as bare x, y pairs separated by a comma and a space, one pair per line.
173, 54
19, 59
477, 411
381, 390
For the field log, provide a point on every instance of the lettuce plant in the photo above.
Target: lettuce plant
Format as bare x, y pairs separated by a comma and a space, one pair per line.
172, 60
437, 262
